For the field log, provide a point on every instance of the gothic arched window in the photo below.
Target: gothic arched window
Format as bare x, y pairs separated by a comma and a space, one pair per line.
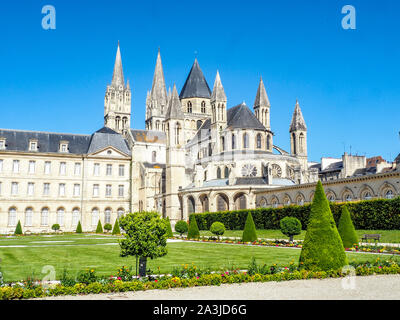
219, 173
233, 142
268, 142
154, 156
245, 140
189, 107
203, 107
258, 141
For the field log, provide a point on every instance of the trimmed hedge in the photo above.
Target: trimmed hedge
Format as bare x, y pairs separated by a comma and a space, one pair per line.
377, 214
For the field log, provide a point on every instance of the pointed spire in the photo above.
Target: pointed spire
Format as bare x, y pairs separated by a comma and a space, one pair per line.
218, 93
195, 85
261, 96
174, 107
298, 122
158, 90
118, 75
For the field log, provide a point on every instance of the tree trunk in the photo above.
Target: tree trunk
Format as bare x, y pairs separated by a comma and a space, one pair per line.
291, 238
142, 266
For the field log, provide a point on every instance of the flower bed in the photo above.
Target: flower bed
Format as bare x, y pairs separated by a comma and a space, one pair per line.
189, 276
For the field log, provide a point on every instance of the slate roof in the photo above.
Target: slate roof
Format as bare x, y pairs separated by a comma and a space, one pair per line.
250, 181
241, 117
106, 137
49, 142
18, 140
397, 160
196, 85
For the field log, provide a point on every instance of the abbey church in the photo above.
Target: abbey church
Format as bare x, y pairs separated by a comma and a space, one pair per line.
199, 152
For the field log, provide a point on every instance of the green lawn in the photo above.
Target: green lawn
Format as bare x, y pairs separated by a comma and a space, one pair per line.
387, 236
19, 262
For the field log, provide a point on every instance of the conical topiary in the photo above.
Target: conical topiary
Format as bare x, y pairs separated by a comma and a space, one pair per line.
79, 228
116, 228
249, 232
18, 229
322, 247
193, 232
99, 228
169, 229
346, 229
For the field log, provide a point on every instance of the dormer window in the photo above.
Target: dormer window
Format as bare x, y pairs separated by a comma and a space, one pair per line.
2, 144
33, 145
63, 146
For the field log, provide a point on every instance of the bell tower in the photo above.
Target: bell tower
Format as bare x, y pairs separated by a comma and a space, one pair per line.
117, 101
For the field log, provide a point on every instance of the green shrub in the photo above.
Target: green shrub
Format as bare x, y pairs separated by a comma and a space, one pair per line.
322, 247
376, 214
55, 227
66, 280
107, 227
217, 228
87, 276
116, 229
346, 229
290, 226
169, 229
99, 228
193, 232
18, 229
249, 232
181, 227
79, 227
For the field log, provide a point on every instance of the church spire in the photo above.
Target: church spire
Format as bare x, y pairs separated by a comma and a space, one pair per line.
218, 93
262, 106
261, 96
298, 123
196, 85
158, 89
174, 107
118, 75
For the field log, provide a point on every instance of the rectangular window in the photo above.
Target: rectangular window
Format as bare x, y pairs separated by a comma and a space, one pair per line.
61, 190
95, 190
33, 146
108, 190
77, 190
16, 166
46, 189
32, 166
63, 147
31, 188
77, 170
96, 169
63, 168
109, 170
121, 170
14, 188
47, 167
121, 190
1, 165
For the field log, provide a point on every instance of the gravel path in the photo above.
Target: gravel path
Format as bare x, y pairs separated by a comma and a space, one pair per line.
365, 288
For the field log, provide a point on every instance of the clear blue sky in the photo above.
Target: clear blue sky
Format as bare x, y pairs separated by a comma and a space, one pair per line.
347, 81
